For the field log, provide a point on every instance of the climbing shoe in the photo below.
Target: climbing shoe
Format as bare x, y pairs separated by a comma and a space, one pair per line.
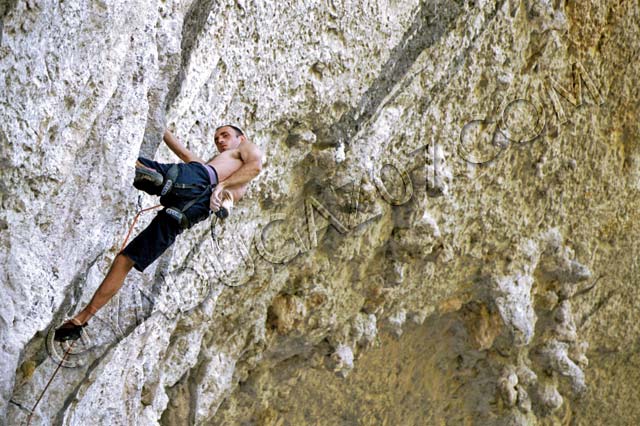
69, 331
146, 174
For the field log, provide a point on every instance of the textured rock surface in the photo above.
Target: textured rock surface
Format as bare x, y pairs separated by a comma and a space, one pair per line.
445, 230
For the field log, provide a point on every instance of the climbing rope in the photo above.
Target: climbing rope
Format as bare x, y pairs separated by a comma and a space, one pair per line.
126, 238
212, 228
135, 219
33, 410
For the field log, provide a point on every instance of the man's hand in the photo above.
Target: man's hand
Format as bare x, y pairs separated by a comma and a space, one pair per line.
219, 193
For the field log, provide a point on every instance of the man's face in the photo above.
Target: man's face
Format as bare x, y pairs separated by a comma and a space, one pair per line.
225, 139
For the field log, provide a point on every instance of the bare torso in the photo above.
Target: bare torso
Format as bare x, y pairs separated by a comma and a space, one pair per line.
226, 163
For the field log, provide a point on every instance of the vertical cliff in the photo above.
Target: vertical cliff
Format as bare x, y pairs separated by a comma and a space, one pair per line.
444, 230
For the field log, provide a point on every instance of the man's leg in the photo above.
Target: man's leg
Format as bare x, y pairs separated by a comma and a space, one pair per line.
121, 266
109, 286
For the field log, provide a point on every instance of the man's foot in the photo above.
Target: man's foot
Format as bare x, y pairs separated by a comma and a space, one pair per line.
147, 174
70, 330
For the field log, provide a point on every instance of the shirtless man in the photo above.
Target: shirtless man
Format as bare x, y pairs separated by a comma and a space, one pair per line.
225, 175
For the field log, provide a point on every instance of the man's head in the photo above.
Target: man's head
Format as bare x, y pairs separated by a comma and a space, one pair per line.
228, 137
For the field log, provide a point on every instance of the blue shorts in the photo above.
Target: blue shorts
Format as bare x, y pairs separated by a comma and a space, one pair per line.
161, 233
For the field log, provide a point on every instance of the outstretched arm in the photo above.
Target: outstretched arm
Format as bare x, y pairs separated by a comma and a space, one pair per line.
180, 150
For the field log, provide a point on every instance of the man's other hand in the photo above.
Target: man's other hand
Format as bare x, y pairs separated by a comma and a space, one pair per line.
215, 202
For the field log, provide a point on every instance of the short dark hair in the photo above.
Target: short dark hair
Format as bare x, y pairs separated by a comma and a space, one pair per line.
238, 130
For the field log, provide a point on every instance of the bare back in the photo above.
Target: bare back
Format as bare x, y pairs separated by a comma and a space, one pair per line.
226, 163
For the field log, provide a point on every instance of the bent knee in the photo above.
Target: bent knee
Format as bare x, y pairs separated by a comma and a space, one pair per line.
125, 259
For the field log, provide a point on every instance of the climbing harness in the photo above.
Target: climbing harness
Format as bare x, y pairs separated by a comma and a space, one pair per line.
172, 176
169, 188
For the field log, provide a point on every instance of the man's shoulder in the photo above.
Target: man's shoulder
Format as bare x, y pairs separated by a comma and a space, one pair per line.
249, 148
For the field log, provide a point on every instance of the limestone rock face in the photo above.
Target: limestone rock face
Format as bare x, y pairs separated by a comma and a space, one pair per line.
444, 230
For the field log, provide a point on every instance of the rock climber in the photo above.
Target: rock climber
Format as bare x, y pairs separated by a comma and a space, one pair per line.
189, 191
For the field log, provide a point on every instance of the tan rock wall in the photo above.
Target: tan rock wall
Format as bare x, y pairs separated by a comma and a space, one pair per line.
444, 231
